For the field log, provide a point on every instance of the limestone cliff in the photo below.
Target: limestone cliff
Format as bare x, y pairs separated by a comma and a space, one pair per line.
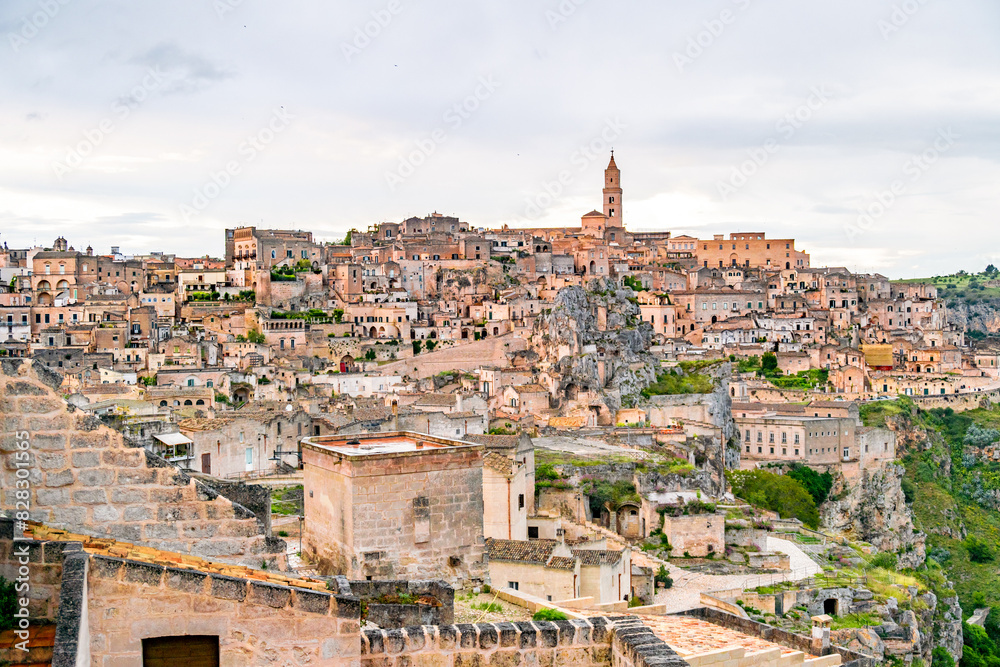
595, 339
874, 510
983, 316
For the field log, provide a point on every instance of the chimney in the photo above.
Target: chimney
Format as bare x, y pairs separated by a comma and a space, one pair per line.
821, 634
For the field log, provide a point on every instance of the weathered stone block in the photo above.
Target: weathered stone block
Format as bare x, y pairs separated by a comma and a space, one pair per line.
137, 513
128, 495
142, 573
52, 497
228, 588
106, 513
277, 597
160, 531
313, 602
488, 636
86, 459
90, 497
95, 477
186, 581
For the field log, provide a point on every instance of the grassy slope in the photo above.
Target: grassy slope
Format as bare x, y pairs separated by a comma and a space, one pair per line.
938, 505
961, 290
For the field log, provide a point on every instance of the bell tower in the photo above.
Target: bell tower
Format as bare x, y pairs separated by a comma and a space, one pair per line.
613, 194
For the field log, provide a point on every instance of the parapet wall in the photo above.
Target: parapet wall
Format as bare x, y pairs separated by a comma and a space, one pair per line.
595, 642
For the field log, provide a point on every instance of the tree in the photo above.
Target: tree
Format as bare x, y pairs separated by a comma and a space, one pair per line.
778, 493
417, 345
992, 271
370, 354
255, 336
431, 344
347, 237
338, 315
941, 658
818, 485
979, 551
769, 363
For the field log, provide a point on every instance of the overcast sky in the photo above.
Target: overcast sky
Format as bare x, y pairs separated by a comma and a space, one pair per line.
865, 129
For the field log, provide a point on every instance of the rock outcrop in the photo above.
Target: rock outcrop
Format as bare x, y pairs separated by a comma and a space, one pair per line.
875, 511
983, 316
596, 341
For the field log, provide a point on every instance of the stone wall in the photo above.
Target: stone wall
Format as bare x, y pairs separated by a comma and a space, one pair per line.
44, 565
407, 515
257, 623
595, 642
696, 534
778, 636
461, 356
402, 615
85, 480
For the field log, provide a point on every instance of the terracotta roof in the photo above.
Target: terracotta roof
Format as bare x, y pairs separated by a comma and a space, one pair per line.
598, 556
498, 462
562, 563
114, 548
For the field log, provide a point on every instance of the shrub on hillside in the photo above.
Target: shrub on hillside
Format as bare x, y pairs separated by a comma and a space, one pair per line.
778, 493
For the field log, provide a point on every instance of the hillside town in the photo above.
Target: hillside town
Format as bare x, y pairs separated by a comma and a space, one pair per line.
538, 446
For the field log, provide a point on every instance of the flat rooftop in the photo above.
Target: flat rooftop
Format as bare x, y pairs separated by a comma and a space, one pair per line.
372, 444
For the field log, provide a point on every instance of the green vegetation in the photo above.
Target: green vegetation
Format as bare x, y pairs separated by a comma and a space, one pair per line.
684, 383
549, 615
500, 430
633, 283
953, 487
255, 336
8, 604
818, 485
876, 412
861, 620
287, 501
778, 493
767, 367
282, 273
962, 286
417, 346
663, 577
338, 315
311, 314
493, 607
347, 237
602, 492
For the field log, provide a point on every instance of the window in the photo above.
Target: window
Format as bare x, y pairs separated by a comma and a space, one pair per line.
512, 585
520, 501
532, 532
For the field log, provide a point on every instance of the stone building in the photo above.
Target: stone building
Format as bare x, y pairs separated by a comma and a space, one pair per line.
394, 505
